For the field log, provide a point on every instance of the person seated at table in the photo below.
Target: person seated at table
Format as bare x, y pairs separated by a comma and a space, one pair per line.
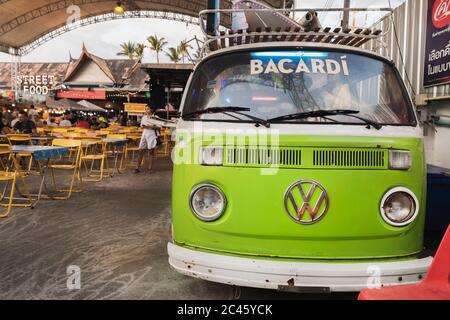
14, 118
103, 123
65, 123
93, 122
25, 125
3, 129
38, 120
149, 140
83, 123
51, 122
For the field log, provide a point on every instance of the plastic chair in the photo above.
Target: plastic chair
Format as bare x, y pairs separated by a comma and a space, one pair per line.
22, 139
164, 150
435, 286
72, 135
7, 175
114, 151
91, 154
132, 147
67, 165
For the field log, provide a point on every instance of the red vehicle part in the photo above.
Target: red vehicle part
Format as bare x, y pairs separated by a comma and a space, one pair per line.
435, 286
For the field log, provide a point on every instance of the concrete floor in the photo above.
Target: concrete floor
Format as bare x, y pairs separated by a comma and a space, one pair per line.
116, 232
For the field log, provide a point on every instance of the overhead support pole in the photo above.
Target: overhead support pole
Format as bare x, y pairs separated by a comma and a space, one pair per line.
213, 18
346, 15
16, 60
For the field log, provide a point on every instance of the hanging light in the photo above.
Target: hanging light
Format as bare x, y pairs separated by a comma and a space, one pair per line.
119, 10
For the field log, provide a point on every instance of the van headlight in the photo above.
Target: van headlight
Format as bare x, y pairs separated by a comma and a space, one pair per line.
399, 207
211, 156
207, 202
399, 160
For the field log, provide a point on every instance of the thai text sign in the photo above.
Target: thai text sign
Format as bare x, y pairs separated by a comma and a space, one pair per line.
82, 95
135, 108
437, 48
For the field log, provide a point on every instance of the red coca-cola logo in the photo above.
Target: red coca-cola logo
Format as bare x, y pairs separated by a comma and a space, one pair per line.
441, 13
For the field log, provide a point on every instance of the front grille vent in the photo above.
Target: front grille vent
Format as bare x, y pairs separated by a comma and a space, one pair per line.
253, 156
349, 158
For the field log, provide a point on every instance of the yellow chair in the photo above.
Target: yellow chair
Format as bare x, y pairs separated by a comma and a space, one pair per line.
64, 164
81, 130
22, 139
164, 150
72, 135
132, 147
7, 176
60, 130
93, 154
102, 133
113, 152
116, 136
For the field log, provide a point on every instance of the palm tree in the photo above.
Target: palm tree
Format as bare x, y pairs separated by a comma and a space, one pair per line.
174, 55
183, 49
128, 49
156, 45
139, 52
197, 55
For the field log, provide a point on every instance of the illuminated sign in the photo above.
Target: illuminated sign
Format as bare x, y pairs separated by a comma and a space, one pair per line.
82, 95
437, 48
135, 108
297, 62
35, 84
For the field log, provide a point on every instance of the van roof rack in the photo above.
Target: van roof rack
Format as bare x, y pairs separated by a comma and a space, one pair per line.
338, 36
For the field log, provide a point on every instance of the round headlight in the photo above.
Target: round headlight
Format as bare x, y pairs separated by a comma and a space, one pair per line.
207, 202
399, 207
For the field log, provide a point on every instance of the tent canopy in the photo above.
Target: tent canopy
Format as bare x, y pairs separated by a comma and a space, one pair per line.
90, 106
66, 104
23, 22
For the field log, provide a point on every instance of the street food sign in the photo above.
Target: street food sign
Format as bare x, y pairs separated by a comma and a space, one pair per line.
437, 48
39, 84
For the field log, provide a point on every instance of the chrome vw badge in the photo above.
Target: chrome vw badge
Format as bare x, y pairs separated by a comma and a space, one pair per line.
306, 201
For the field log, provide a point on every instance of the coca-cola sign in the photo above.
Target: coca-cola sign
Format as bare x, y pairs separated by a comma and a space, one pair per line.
441, 13
437, 48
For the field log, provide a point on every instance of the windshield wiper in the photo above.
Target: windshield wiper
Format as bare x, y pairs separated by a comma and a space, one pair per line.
229, 109
324, 114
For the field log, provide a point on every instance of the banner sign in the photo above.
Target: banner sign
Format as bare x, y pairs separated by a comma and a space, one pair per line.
437, 48
82, 95
135, 108
39, 84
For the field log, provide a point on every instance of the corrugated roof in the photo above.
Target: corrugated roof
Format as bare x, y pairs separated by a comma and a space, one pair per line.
56, 69
125, 73
169, 66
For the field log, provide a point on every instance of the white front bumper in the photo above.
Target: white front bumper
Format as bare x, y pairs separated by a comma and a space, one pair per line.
295, 276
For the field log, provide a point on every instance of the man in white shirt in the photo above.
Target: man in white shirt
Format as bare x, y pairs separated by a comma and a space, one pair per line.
15, 118
65, 123
149, 140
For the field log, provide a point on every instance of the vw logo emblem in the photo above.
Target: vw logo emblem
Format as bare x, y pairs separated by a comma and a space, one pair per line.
306, 201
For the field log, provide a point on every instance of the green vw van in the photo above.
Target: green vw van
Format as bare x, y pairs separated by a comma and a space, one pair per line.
298, 166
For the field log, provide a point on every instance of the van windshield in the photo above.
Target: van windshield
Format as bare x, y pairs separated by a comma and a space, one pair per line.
272, 84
